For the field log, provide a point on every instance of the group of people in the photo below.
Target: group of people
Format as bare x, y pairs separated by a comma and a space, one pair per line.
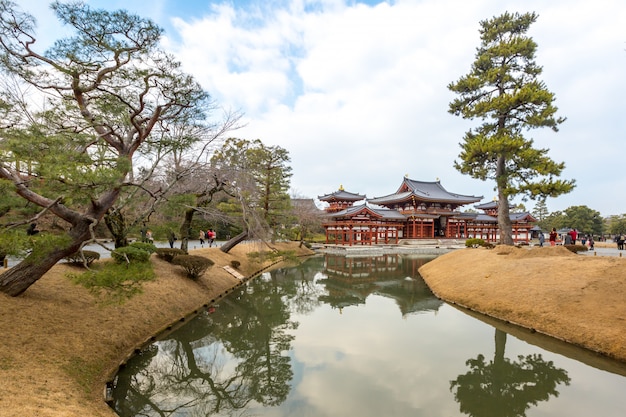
209, 235
569, 238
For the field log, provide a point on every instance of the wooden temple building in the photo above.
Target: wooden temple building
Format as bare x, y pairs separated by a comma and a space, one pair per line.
485, 226
417, 210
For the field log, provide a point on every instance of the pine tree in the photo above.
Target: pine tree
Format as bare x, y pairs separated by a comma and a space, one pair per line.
503, 89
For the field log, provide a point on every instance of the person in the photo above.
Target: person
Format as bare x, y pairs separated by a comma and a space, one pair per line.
542, 239
149, 238
552, 237
568, 239
143, 233
591, 242
620, 242
171, 238
210, 236
201, 236
574, 235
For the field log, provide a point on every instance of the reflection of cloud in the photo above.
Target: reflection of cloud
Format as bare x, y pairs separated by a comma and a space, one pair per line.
357, 362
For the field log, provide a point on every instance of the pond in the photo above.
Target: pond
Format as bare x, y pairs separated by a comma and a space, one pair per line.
350, 336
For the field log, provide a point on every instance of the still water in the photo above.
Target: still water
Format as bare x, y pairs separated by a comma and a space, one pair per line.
340, 336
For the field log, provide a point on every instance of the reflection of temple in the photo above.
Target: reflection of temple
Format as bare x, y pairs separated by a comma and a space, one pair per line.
350, 280
417, 210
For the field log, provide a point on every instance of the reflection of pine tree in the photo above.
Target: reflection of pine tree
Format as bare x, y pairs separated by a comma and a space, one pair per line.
502, 388
189, 372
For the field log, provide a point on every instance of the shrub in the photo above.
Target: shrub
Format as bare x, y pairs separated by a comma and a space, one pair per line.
193, 265
130, 254
114, 282
235, 264
474, 243
168, 254
148, 247
85, 258
576, 248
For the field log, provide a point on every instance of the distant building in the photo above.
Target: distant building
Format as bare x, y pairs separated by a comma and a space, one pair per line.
417, 210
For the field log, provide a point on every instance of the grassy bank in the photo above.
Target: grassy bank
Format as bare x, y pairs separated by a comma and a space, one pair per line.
61, 345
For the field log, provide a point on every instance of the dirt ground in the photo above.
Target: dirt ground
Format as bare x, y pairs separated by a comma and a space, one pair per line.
60, 346
580, 299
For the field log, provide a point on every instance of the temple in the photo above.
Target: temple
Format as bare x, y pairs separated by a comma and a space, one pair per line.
417, 210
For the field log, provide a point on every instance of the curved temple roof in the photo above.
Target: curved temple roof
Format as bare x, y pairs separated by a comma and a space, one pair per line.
424, 191
341, 195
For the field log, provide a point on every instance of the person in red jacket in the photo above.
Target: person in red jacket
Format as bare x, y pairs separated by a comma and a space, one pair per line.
553, 236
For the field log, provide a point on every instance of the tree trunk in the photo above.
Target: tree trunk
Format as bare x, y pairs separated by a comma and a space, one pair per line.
185, 229
115, 222
504, 217
19, 278
226, 247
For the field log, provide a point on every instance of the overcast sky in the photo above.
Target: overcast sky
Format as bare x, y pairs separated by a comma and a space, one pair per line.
356, 91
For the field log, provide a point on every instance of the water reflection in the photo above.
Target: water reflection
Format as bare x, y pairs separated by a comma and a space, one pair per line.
350, 280
505, 388
324, 339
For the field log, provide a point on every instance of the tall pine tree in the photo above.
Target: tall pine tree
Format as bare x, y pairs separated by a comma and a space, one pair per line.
503, 90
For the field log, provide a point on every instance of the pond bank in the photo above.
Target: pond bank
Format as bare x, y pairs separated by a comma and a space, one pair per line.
575, 298
60, 346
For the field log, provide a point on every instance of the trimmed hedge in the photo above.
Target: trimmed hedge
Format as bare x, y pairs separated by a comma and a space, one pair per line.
148, 247
168, 254
475, 242
576, 248
195, 266
130, 254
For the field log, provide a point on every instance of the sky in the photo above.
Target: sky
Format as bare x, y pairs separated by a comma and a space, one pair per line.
356, 91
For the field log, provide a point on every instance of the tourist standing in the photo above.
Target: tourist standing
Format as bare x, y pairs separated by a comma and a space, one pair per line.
171, 237
201, 237
542, 239
552, 238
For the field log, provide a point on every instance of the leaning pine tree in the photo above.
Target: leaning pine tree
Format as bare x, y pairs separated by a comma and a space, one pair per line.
107, 88
503, 89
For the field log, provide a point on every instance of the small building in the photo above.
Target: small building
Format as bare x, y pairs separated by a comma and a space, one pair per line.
340, 200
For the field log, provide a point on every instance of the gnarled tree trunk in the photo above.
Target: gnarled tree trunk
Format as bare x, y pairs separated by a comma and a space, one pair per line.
226, 247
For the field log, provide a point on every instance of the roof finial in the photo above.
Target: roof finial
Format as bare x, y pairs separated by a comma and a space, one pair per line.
437, 179
340, 187
406, 175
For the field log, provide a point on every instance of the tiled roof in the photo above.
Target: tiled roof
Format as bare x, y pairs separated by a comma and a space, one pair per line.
383, 213
425, 191
341, 195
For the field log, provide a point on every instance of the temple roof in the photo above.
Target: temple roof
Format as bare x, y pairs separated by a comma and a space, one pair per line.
341, 195
382, 213
489, 205
424, 191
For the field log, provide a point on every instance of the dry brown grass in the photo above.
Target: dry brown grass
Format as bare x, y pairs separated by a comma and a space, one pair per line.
579, 299
60, 345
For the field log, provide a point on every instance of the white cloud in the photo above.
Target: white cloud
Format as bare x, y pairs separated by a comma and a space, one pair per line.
357, 94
